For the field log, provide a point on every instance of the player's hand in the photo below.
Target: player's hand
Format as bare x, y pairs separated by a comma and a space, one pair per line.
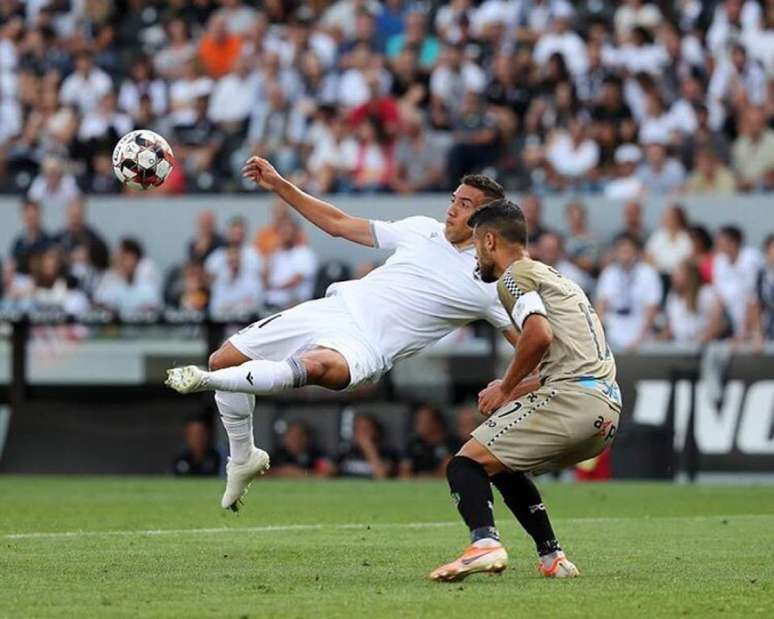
262, 172
491, 398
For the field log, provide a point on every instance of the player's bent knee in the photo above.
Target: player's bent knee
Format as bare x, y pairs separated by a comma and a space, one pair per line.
478, 453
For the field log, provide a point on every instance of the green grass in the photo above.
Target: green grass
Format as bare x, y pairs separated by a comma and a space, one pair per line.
645, 550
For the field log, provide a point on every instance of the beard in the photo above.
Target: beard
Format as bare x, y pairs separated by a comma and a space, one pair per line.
485, 273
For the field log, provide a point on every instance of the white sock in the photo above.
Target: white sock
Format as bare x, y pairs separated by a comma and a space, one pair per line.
259, 376
486, 542
236, 413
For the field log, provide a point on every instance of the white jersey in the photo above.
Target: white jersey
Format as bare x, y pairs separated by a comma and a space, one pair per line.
424, 291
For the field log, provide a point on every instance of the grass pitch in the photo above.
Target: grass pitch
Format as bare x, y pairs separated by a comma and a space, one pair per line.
129, 547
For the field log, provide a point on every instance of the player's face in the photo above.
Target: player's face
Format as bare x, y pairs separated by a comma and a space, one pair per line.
464, 202
486, 264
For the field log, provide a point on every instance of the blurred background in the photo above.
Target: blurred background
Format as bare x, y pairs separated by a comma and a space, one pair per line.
637, 137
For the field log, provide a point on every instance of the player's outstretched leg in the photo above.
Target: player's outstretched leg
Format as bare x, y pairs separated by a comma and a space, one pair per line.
523, 499
470, 488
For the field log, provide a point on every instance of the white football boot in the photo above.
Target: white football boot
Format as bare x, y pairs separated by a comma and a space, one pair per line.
556, 565
188, 379
239, 476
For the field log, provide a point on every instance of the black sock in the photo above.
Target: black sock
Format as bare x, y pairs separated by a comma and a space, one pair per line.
523, 499
470, 489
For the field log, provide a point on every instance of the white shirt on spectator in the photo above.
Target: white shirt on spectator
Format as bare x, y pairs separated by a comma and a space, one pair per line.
569, 44
129, 96
285, 265
115, 293
182, 95
752, 79
570, 159
627, 17
216, 264
722, 34
627, 295
688, 326
96, 125
10, 119
233, 98
667, 252
85, 91
735, 283
504, 12
625, 188
54, 198
666, 180
451, 86
682, 117
236, 294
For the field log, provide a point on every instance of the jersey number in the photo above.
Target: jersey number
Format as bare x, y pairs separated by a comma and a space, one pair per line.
595, 329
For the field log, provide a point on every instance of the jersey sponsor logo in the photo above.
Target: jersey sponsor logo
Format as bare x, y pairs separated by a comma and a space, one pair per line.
742, 417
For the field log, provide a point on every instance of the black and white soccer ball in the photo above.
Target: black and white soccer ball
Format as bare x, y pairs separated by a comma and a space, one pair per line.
142, 159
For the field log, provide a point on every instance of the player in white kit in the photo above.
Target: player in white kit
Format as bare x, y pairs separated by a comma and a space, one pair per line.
353, 335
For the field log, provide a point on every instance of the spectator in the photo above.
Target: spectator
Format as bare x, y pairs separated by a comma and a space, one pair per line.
77, 233
583, 249
54, 187
86, 85
467, 419
738, 77
195, 294
702, 255
184, 94
430, 447
533, 215
219, 49
562, 40
367, 455
142, 82
627, 185
660, 173
32, 240
550, 250
367, 163
670, 244
197, 143
710, 175
53, 290
419, 157
130, 286
233, 97
753, 152
179, 51
572, 156
272, 133
633, 224
298, 456
199, 456
451, 79
290, 270
693, 310
239, 18
476, 139
104, 125
765, 290
628, 296
415, 36
735, 272
235, 288
207, 238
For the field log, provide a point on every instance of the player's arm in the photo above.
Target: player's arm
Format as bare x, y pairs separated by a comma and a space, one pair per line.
536, 337
322, 214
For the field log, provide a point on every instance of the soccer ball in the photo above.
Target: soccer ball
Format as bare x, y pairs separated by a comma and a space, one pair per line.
142, 159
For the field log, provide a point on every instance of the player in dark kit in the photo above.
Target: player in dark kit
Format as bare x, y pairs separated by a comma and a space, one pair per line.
570, 416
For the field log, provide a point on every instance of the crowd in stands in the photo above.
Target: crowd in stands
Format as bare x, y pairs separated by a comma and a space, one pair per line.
627, 98
679, 282
365, 452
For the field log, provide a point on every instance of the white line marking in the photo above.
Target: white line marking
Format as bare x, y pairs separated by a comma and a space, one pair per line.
263, 529
332, 526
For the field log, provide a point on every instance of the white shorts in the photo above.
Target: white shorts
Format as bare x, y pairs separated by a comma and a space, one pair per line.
325, 323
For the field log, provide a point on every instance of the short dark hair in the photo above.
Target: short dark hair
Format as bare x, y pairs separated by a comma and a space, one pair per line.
489, 186
733, 233
701, 235
504, 216
628, 237
132, 246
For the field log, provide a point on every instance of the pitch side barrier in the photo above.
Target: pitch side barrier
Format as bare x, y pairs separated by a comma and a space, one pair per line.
686, 410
